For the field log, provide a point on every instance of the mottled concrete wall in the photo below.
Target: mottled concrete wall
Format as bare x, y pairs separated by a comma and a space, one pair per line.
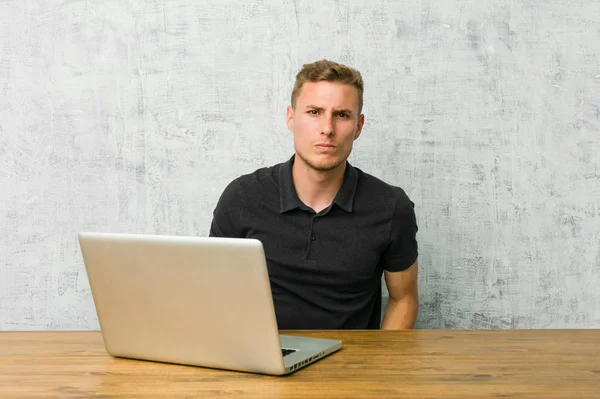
133, 116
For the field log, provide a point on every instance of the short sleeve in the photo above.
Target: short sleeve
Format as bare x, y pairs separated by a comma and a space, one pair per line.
226, 215
402, 250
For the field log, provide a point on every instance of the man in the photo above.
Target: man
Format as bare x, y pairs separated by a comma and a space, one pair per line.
329, 230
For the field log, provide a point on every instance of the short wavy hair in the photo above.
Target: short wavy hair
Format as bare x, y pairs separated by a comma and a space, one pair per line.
325, 70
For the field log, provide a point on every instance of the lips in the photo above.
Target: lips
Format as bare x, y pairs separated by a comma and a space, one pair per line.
325, 145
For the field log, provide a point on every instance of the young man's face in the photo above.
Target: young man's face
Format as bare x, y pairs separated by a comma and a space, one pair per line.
325, 123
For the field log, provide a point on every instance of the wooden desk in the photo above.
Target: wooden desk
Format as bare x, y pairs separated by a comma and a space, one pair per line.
372, 364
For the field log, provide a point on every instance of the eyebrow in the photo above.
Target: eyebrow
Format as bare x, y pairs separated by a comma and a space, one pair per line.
337, 111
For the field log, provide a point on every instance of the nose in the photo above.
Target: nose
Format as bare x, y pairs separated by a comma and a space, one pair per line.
327, 127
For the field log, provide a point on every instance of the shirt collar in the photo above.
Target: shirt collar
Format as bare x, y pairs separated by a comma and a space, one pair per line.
289, 199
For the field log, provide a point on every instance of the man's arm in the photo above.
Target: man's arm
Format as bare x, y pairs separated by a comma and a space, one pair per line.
403, 303
226, 215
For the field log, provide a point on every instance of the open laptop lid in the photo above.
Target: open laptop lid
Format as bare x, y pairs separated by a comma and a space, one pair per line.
202, 301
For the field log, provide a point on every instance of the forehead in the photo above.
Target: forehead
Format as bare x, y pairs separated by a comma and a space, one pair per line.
332, 94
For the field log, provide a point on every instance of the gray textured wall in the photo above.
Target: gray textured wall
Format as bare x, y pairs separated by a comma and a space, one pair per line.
133, 116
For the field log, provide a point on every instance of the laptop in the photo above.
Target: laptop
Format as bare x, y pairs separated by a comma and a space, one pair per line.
199, 301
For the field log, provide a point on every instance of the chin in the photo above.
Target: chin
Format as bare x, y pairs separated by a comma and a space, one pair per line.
322, 165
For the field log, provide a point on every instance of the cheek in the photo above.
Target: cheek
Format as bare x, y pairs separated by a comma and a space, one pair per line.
302, 127
300, 133
304, 123
349, 132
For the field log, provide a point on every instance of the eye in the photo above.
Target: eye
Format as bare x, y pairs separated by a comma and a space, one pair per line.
313, 112
343, 115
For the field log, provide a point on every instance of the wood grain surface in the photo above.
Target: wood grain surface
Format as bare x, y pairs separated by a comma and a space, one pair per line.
372, 364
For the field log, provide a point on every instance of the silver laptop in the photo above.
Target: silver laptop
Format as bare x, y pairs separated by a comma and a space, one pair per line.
201, 301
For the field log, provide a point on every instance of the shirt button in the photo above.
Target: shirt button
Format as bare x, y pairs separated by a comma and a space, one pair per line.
316, 218
313, 238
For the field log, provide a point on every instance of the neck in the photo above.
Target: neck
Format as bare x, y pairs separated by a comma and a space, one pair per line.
316, 189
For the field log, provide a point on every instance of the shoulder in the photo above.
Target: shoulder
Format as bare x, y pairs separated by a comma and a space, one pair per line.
253, 183
381, 192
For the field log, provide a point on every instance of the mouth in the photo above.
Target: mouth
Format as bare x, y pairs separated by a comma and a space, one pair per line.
325, 146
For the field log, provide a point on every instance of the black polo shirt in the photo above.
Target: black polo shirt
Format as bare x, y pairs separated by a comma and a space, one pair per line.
325, 268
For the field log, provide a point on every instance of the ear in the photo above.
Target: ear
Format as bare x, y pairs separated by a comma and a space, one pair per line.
289, 116
359, 126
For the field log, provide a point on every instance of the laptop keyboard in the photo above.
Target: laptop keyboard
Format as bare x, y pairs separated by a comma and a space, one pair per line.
286, 352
